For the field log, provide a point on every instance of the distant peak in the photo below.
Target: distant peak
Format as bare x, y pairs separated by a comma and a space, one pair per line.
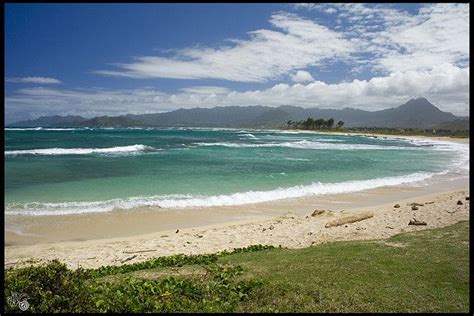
418, 102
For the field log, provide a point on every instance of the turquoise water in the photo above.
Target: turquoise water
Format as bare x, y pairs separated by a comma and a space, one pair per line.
64, 171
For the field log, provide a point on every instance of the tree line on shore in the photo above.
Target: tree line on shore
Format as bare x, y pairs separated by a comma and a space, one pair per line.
313, 124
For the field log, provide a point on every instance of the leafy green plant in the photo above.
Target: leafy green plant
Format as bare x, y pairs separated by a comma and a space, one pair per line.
172, 261
52, 287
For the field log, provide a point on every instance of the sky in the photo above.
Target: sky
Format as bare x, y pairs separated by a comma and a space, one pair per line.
114, 59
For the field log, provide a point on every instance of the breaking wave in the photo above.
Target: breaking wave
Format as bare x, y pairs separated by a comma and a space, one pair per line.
305, 144
82, 151
194, 201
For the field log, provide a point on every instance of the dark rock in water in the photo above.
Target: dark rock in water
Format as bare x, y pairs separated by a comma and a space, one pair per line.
467, 198
177, 231
460, 203
396, 206
414, 207
416, 222
317, 212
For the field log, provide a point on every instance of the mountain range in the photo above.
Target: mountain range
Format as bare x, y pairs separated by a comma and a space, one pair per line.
416, 113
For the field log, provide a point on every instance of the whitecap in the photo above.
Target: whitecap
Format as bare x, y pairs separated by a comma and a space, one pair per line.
196, 201
82, 151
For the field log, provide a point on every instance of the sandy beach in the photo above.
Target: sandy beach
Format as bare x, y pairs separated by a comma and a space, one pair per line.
128, 236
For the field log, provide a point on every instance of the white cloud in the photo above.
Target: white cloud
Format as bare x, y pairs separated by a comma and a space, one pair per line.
330, 10
446, 86
39, 80
266, 55
302, 76
371, 38
392, 39
439, 34
206, 90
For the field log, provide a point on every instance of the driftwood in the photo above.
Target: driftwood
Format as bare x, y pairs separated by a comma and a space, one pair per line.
129, 258
415, 204
431, 202
416, 222
349, 219
455, 210
139, 251
318, 212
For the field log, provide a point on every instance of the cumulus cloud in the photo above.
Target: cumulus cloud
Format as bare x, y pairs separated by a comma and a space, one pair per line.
447, 86
39, 80
302, 76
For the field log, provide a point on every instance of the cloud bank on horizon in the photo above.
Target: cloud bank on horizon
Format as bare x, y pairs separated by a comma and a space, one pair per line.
397, 54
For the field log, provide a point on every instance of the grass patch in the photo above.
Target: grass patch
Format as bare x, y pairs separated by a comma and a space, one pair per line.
425, 271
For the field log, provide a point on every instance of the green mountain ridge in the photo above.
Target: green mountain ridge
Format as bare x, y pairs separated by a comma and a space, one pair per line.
416, 113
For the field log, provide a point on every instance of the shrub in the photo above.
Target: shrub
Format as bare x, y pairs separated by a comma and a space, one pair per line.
49, 288
52, 287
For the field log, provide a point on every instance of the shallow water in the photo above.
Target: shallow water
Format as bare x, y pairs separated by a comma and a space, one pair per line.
68, 171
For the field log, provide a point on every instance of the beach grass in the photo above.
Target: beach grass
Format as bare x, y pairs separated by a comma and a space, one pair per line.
424, 271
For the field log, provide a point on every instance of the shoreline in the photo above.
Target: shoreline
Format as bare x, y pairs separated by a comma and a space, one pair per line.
464, 140
290, 229
66, 236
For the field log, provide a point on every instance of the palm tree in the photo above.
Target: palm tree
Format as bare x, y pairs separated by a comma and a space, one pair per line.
330, 123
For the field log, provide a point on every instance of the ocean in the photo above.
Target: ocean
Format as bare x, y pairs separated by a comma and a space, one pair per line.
59, 171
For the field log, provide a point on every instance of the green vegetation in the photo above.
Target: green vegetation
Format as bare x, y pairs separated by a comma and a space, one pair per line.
323, 125
425, 271
409, 131
312, 124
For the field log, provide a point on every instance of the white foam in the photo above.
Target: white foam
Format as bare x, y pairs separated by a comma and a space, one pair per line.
45, 129
297, 159
81, 151
23, 129
248, 135
189, 201
306, 144
460, 153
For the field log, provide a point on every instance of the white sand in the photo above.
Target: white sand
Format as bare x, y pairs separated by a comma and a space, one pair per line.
289, 230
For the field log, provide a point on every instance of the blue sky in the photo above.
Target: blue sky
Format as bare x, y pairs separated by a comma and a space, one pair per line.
112, 59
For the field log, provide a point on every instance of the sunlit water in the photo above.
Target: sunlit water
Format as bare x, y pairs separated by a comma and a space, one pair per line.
68, 171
